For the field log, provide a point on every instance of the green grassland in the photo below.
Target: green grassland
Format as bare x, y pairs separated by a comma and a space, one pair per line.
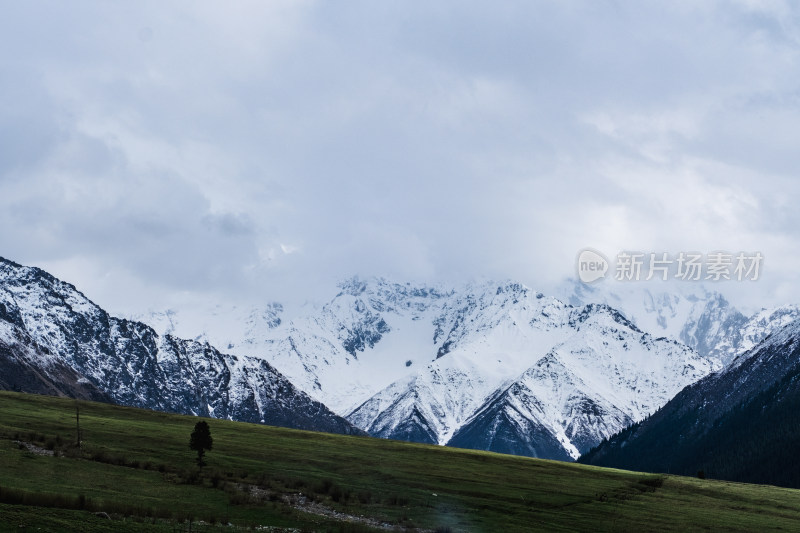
135, 472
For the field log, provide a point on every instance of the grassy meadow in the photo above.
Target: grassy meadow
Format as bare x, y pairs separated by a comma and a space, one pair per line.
134, 471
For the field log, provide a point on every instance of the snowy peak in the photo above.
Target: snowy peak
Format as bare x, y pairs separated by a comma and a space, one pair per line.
385, 295
763, 324
220, 325
514, 422
47, 324
603, 316
735, 424
662, 311
602, 377
716, 330
446, 364
602, 372
419, 363
703, 320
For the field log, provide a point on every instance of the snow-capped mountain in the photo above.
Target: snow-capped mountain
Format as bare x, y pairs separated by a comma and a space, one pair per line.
741, 424
224, 326
685, 312
340, 353
661, 310
493, 366
27, 367
55, 334
430, 364
606, 375
543, 379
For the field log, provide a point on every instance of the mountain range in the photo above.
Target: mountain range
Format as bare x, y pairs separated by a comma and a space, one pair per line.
689, 313
492, 366
55, 340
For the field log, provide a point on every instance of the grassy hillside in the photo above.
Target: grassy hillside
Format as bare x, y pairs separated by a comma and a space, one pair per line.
136, 468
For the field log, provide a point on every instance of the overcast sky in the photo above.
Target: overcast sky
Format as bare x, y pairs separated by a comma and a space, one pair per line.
153, 151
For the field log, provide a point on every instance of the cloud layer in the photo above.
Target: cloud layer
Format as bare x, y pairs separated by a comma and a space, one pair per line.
262, 150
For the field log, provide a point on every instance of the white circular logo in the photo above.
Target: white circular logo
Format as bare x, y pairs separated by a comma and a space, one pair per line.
592, 265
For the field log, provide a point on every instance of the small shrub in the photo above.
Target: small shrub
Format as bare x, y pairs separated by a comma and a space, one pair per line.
396, 499
296, 483
191, 476
322, 486
238, 498
653, 482
72, 452
215, 478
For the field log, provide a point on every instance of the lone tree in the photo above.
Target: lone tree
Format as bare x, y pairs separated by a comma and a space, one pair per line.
201, 441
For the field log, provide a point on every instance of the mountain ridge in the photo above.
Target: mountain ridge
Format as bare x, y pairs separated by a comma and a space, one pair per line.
495, 366
416, 362
131, 364
739, 424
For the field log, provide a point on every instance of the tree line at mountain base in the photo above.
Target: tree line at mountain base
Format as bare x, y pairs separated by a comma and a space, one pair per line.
755, 442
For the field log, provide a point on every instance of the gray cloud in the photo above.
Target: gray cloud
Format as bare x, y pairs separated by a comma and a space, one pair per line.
265, 150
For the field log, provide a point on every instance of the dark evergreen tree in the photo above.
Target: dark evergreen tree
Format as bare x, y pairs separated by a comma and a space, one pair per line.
201, 440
